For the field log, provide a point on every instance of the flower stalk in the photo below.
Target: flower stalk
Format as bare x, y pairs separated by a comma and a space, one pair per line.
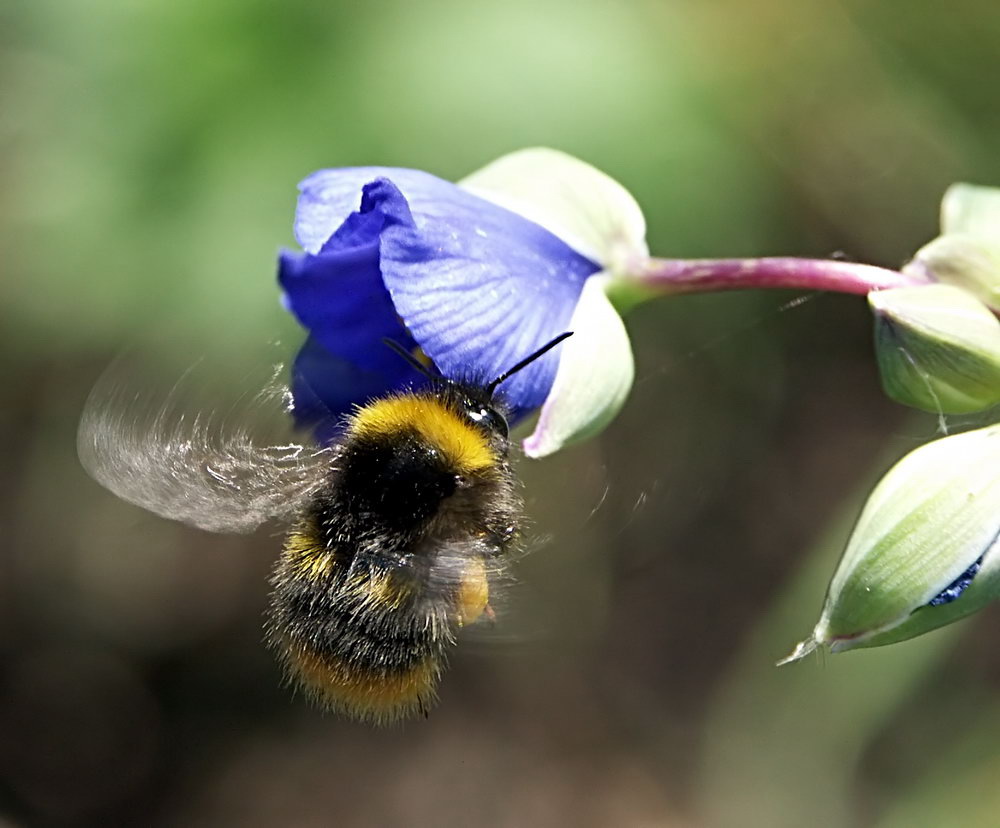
676, 276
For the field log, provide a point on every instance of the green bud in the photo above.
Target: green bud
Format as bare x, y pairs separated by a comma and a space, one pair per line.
967, 253
938, 348
924, 529
984, 589
969, 208
964, 261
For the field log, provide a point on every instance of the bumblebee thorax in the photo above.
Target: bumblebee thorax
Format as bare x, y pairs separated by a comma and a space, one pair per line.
464, 426
396, 479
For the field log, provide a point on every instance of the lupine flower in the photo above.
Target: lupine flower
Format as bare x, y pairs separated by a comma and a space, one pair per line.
925, 551
476, 275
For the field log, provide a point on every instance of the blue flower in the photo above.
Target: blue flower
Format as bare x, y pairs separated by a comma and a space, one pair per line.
477, 275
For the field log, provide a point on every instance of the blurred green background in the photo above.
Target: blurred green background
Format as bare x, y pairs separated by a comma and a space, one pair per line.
149, 152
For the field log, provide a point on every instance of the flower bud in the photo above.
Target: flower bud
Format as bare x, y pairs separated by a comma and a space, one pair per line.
972, 209
967, 253
938, 348
964, 261
925, 550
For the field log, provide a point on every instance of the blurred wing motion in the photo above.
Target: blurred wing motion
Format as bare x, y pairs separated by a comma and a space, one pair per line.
201, 464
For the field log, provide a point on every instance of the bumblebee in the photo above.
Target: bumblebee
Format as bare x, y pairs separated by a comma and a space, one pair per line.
398, 529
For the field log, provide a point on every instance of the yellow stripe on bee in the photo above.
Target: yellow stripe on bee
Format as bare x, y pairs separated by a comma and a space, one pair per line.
307, 557
464, 445
369, 696
377, 589
304, 556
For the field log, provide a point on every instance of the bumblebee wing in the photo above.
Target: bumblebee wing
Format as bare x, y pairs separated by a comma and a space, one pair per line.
209, 467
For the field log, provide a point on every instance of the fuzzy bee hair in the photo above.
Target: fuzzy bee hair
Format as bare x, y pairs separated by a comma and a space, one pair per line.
399, 529
396, 552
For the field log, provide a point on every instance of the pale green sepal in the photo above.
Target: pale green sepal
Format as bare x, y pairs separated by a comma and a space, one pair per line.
938, 348
594, 377
930, 518
587, 209
626, 294
964, 260
973, 210
984, 589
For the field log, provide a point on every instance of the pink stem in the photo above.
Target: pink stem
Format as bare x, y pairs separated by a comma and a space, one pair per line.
669, 276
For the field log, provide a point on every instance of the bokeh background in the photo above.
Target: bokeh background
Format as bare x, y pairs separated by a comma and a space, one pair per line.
149, 151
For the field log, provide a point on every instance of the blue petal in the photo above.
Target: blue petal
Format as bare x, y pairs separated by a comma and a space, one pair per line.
955, 589
339, 296
478, 286
328, 197
326, 387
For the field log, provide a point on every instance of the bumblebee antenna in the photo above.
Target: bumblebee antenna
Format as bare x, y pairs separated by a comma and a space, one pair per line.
524, 363
413, 362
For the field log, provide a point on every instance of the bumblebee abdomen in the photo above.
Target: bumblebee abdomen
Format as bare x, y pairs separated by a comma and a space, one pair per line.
365, 693
357, 637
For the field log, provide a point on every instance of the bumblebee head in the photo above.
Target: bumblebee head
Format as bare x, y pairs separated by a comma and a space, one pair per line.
481, 411
478, 403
